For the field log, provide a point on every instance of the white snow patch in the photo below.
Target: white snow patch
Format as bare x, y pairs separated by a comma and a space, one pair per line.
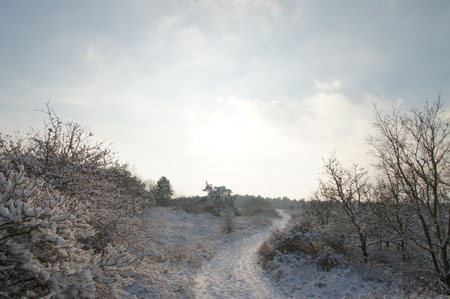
186, 242
234, 272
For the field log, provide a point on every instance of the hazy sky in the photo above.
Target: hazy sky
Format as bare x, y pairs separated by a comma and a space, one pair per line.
250, 94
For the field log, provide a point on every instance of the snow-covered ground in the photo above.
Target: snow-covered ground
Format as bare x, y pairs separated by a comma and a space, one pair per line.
183, 243
234, 273
197, 260
297, 276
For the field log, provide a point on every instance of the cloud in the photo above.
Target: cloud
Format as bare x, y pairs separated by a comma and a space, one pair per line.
171, 20
271, 5
150, 77
323, 85
253, 146
282, 141
92, 54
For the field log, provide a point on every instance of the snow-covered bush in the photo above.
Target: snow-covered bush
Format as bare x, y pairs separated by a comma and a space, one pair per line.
302, 237
65, 215
329, 259
116, 204
38, 248
63, 155
267, 251
39, 251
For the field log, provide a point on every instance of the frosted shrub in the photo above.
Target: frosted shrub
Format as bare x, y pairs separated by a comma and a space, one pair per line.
38, 252
301, 237
66, 210
329, 259
228, 221
267, 251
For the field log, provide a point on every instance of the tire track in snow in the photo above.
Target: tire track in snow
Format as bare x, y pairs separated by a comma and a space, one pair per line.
234, 273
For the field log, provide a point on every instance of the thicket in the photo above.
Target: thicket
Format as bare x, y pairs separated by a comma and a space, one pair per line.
257, 206
67, 208
276, 203
396, 217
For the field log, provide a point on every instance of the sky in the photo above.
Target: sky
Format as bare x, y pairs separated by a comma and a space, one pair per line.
250, 94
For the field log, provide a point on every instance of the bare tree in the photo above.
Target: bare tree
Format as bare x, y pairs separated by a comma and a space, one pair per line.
393, 214
350, 189
319, 210
413, 149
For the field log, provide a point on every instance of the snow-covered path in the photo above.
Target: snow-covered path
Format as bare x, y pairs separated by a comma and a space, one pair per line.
234, 273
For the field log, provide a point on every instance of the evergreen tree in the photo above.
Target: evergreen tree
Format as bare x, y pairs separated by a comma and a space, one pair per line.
163, 191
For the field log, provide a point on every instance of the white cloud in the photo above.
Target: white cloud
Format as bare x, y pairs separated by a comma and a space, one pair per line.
283, 142
154, 71
323, 85
272, 148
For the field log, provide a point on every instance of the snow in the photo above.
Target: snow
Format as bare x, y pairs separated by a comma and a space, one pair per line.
234, 272
201, 262
183, 244
297, 276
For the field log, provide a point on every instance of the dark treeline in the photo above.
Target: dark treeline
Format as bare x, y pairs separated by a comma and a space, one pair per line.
276, 203
249, 204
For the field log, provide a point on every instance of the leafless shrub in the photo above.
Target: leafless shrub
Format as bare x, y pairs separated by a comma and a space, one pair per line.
267, 251
328, 259
228, 221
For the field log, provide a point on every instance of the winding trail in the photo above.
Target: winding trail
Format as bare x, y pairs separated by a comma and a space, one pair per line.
234, 273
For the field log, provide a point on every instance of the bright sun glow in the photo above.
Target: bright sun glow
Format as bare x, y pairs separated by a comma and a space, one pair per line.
227, 135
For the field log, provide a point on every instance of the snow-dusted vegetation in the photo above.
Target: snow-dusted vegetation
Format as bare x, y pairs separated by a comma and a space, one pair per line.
184, 243
309, 260
327, 170
386, 232
76, 223
65, 205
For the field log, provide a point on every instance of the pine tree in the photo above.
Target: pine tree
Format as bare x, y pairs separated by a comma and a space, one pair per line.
163, 191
